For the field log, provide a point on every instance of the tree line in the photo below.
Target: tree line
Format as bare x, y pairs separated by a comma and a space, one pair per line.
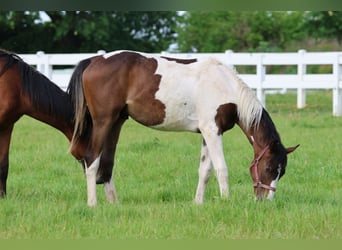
156, 31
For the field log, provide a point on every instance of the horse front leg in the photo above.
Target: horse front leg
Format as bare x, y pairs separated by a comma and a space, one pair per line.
215, 149
104, 173
5, 138
204, 171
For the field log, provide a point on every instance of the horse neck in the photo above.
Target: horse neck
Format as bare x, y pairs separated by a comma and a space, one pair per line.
261, 134
60, 121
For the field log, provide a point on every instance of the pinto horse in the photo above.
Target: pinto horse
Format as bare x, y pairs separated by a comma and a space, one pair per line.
25, 91
202, 96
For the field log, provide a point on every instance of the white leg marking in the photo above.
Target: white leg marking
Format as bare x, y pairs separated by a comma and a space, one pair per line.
203, 174
214, 143
91, 181
110, 191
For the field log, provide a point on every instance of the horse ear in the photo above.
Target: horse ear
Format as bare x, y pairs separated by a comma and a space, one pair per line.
291, 149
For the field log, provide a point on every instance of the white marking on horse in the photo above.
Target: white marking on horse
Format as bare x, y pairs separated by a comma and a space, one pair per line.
109, 54
273, 184
192, 92
110, 191
91, 181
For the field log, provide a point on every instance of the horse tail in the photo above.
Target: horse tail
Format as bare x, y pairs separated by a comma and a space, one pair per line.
82, 119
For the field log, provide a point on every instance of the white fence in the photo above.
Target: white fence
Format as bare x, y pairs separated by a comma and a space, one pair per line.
261, 81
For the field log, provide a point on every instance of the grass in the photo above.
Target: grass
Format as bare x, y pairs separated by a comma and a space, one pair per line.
156, 178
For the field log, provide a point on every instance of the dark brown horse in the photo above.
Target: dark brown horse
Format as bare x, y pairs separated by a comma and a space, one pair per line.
202, 96
25, 91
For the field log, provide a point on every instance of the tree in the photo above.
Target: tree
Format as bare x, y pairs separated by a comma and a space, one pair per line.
240, 31
21, 32
324, 24
87, 31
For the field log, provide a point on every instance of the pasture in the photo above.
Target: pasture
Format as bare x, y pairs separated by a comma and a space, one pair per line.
156, 176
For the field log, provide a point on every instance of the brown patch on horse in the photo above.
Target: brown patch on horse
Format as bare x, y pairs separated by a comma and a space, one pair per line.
132, 79
226, 117
182, 61
142, 105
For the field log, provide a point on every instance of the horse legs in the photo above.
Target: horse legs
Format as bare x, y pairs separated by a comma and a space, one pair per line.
99, 134
5, 137
215, 149
107, 161
203, 173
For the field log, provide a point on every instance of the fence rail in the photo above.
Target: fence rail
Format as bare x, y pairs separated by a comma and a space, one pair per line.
58, 67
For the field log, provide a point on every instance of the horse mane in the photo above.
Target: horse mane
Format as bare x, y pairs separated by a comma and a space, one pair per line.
251, 113
11, 57
45, 95
249, 108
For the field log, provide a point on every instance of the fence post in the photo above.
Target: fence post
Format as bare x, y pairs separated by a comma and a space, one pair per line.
261, 71
101, 52
229, 53
40, 64
301, 71
337, 92
44, 66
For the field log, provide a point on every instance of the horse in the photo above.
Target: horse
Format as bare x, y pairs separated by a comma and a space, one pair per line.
25, 91
197, 95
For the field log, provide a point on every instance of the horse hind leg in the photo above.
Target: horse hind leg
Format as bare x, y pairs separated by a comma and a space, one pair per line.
110, 191
100, 132
105, 172
215, 149
204, 171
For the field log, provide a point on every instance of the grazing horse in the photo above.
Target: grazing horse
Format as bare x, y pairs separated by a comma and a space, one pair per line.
25, 91
202, 96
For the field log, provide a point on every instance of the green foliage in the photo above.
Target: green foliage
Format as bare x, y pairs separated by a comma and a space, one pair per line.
21, 33
322, 24
240, 31
85, 31
156, 177
155, 31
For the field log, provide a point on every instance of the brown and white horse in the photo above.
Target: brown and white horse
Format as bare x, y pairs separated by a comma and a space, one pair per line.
25, 91
202, 96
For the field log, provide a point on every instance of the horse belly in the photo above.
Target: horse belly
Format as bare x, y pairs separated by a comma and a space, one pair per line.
179, 116
180, 110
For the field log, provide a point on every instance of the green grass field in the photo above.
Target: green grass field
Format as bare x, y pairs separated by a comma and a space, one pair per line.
156, 178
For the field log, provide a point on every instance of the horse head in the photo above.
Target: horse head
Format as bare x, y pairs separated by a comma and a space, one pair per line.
268, 167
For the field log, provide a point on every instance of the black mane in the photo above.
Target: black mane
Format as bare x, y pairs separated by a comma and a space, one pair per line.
267, 124
11, 59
